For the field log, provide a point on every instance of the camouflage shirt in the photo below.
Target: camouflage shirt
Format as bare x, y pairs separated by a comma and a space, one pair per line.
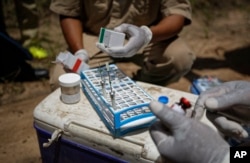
111, 13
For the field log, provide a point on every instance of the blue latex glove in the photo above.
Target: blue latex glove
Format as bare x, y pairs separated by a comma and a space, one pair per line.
138, 37
181, 139
228, 107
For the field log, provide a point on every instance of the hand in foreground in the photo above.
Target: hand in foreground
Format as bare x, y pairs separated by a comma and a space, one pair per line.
137, 38
227, 106
181, 139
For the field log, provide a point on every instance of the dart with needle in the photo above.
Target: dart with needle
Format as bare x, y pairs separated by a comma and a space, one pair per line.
102, 82
112, 93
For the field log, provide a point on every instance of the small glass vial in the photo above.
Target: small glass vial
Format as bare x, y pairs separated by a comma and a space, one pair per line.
70, 87
181, 106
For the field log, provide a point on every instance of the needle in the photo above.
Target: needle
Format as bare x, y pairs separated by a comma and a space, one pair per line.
112, 93
102, 82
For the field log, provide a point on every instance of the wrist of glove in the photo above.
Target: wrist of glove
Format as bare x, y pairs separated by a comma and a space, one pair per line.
148, 35
138, 37
83, 55
176, 135
75, 63
228, 107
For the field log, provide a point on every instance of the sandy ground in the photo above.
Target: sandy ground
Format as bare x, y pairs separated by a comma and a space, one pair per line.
222, 50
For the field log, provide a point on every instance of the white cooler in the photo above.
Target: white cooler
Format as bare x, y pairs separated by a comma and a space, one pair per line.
75, 132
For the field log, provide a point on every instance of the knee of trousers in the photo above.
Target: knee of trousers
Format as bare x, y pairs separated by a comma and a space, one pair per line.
175, 65
183, 64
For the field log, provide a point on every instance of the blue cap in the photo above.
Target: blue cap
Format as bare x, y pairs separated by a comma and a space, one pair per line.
163, 99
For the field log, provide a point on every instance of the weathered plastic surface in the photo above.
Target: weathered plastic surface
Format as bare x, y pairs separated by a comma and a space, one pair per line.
81, 123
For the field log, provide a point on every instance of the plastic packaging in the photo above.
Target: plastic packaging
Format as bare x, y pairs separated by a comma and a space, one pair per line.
111, 38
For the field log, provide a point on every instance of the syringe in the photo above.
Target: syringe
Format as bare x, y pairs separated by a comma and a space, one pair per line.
179, 107
102, 82
111, 93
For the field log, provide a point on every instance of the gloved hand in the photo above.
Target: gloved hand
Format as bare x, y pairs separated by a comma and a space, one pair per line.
74, 63
181, 139
138, 37
83, 55
226, 104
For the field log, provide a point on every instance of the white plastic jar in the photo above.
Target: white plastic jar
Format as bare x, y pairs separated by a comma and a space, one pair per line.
70, 87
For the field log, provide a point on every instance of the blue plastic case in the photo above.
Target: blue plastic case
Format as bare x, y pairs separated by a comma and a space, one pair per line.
129, 111
204, 83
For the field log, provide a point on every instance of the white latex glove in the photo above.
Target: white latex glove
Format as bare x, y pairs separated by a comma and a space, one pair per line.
138, 37
74, 63
228, 105
82, 54
181, 139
